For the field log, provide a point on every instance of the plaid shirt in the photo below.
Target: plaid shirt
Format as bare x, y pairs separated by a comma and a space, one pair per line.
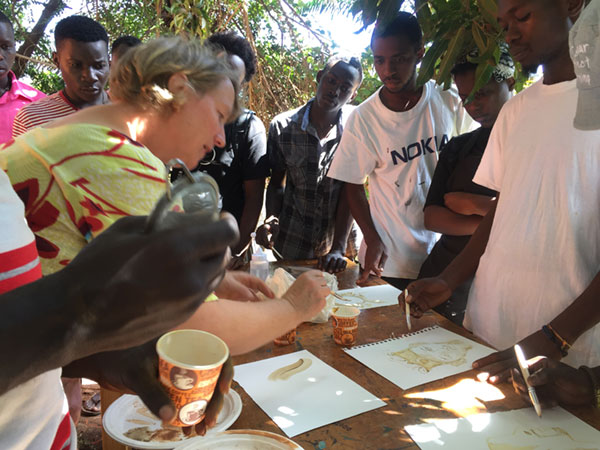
307, 217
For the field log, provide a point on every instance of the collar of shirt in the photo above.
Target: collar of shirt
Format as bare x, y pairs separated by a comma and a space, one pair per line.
302, 118
18, 89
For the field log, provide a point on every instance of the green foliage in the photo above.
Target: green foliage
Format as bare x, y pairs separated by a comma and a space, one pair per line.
370, 82
451, 29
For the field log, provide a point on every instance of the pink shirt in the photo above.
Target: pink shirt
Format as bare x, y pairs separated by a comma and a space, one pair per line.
19, 94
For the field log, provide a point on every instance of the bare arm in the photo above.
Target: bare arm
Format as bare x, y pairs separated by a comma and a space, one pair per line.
275, 193
118, 292
274, 203
581, 315
245, 326
428, 293
376, 251
465, 264
343, 222
443, 220
335, 261
253, 201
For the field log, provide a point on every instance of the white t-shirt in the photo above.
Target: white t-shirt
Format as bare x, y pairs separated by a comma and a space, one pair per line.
398, 151
544, 245
31, 413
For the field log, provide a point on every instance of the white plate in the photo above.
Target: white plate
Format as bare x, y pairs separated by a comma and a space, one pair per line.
129, 413
241, 440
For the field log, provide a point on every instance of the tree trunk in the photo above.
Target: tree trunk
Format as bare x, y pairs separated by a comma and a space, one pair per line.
36, 33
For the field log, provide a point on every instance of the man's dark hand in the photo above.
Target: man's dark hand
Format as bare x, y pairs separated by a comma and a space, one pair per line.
265, 234
135, 371
555, 383
127, 287
425, 294
375, 259
332, 262
498, 365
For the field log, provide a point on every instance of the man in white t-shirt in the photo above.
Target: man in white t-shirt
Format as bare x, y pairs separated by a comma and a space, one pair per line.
78, 312
393, 139
537, 253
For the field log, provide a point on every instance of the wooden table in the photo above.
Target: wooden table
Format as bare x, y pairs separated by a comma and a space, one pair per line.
382, 428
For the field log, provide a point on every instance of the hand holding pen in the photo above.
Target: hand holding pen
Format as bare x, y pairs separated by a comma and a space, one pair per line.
555, 383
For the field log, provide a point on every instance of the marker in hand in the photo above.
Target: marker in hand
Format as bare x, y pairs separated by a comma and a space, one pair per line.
525, 372
407, 310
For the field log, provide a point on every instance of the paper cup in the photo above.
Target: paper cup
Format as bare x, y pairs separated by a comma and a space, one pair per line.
287, 339
345, 324
189, 364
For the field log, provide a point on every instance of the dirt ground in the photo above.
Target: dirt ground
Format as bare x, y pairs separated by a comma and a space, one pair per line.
89, 429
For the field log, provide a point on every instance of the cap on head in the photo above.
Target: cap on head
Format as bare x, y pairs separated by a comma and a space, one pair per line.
79, 28
584, 47
504, 70
234, 44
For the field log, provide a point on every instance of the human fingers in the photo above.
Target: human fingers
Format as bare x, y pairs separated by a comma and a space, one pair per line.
262, 235
210, 239
493, 358
339, 265
256, 284
321, 261
382, 260
146, 385
541, 362
417, 297
364, 275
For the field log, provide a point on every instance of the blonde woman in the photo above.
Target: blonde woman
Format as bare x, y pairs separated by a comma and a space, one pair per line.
76, 176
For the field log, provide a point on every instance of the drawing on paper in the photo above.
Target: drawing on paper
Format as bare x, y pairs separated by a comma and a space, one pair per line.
145, 434
539, 438
427, 355
357, 300
286, 372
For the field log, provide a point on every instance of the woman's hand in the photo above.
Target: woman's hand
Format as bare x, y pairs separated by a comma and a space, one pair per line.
242, 286
307, 294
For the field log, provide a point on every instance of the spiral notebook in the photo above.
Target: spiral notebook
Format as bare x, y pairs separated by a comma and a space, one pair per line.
420, 357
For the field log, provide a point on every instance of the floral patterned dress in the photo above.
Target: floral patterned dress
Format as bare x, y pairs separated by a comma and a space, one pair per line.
75, 181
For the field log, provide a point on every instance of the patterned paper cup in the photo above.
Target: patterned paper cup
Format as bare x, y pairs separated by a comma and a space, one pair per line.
287, 339
189, 364
345, 324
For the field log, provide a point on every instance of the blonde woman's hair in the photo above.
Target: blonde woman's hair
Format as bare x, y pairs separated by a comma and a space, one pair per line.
142, 74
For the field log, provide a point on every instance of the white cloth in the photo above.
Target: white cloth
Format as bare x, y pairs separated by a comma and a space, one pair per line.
544, 245
30, 413
398, 152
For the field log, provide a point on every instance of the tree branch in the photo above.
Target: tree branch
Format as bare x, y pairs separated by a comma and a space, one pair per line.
36, 33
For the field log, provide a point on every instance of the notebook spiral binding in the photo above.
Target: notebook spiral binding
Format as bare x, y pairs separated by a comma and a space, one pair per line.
414, 333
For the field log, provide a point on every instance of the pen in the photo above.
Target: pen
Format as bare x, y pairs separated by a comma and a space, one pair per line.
407, 310
525, 371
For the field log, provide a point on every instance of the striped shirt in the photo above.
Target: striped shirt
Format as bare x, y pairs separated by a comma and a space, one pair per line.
19, 262
43, 111
35, 414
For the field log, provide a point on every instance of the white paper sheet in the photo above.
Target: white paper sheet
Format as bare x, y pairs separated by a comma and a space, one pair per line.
521, 429
369, 297
420, 357
306, 395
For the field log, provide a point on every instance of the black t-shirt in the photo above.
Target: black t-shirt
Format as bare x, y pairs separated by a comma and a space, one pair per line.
244, 158
459, 160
